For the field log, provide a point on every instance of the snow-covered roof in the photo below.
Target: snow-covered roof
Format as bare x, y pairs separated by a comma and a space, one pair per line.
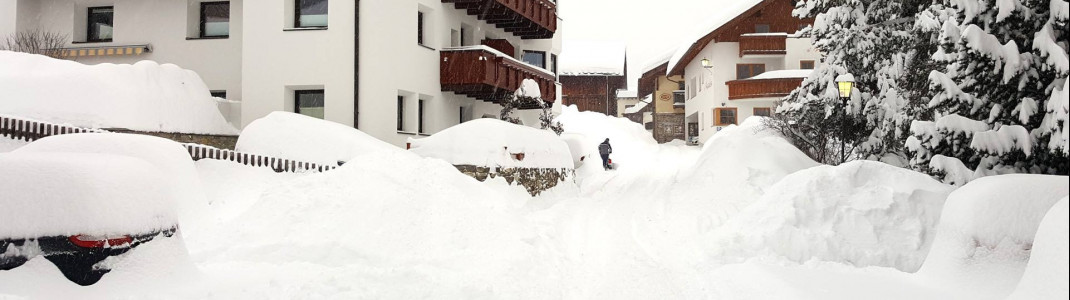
144, 96
640, 106
658, 60
493, 142
591, 58
729, 11
627, 93
783, 74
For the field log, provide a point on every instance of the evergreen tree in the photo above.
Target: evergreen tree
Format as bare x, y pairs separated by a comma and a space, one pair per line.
995, 107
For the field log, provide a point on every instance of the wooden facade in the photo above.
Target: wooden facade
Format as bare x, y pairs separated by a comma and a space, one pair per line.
593, 93
502, 45
486, 76
763, 45
762, 88
528, 19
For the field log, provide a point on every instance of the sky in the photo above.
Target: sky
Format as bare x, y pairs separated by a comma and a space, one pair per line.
650, 28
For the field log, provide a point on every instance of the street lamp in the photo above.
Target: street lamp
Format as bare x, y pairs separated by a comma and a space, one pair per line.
845, 83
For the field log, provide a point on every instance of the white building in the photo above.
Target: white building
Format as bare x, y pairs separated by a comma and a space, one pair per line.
391, 68
742, 63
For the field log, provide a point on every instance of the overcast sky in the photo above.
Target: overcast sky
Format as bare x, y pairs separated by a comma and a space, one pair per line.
649, 27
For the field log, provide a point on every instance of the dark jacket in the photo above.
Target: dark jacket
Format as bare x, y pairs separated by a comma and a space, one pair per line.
604, 148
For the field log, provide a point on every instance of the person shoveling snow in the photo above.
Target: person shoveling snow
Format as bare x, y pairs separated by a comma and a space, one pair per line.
605, 149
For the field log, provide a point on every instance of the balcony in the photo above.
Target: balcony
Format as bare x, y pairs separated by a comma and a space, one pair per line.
484, 73
762, 88
527, 19
763, 44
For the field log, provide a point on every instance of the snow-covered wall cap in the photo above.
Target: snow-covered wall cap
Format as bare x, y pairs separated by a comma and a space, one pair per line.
494, 143
593, 58
730, 11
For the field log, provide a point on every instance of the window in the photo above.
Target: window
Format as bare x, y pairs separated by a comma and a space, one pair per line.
763, 111
215, 19
460, 115
310, 13
420, 28
744, 71
309, 103
535, 58
100, 24
400, 113
806, 65
724, 116
553, 63
219, 94
420, 117
761, 28
678, 98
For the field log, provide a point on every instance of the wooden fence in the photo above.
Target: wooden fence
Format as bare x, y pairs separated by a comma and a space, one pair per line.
26, 130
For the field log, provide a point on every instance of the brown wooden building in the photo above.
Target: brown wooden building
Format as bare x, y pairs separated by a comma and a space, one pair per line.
591, 75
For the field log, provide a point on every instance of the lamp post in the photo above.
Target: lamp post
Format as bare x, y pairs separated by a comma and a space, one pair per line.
845, 83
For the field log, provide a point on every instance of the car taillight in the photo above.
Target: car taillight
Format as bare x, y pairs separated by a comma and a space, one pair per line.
93, 241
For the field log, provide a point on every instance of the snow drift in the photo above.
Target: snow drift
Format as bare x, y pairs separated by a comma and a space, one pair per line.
145, 96
632, 144
861, 213
1046, 276
299, 137
492, 143
987, 229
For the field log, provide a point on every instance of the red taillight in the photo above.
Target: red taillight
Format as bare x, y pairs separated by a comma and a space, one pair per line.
90, 241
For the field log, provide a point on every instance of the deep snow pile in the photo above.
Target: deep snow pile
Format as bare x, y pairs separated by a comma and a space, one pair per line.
57, 194
7, 144
1048, 274
987, 230
861, 213
493, 143
299, 137
144, 96
632, 144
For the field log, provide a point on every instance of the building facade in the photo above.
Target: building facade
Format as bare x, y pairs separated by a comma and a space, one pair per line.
743, 66
667, 95
591, 75
391, 68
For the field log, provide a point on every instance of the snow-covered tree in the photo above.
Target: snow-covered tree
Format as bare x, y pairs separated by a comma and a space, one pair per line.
1000, 105
529, 95
876, 41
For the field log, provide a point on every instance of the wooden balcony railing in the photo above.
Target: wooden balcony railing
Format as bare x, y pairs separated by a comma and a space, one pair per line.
502, 45
528, 19
487, 75
762, 88
763, 45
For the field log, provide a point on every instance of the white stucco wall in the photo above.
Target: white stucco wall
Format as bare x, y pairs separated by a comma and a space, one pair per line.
8, 9
712, 91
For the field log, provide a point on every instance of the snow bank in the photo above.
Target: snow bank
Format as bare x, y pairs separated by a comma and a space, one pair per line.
492, 142
8, 145
299, 137
580, 58
1046, 276
987, 230
861, 213
144, 96
631, 142
48, 194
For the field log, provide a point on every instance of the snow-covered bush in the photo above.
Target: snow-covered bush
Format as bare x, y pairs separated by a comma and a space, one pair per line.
495, 143
145, 96
299, 137
861, 213
987, 231
1007, 72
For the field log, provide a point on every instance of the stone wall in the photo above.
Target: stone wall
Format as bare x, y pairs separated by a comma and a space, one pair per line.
534, 180
218, 141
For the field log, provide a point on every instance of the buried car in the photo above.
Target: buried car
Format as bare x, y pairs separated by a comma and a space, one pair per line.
80, 211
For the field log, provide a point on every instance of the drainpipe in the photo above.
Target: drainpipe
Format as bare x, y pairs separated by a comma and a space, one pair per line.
356, 64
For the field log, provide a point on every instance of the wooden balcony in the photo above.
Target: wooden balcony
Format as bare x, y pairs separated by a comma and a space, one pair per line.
502, 45
488, 75
762, 88
763, 45
527, 19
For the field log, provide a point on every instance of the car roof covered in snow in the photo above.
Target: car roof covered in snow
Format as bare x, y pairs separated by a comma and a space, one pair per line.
492, 142
50, 194
299, 137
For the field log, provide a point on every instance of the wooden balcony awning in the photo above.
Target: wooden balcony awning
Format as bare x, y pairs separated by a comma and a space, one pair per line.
762, 88
763, 44
527, 19
488, 75
122, 50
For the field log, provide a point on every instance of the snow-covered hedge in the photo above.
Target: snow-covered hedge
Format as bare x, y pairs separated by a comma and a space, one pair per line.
145, 96
495, 143
861, 213
299, 137
56, 194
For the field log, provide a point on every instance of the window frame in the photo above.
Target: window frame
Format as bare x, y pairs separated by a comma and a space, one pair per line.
750, 68
297, 14
89, 30
297, 100
758, 28
204, 20
802, 64
755, 110
525, 55
717, 121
